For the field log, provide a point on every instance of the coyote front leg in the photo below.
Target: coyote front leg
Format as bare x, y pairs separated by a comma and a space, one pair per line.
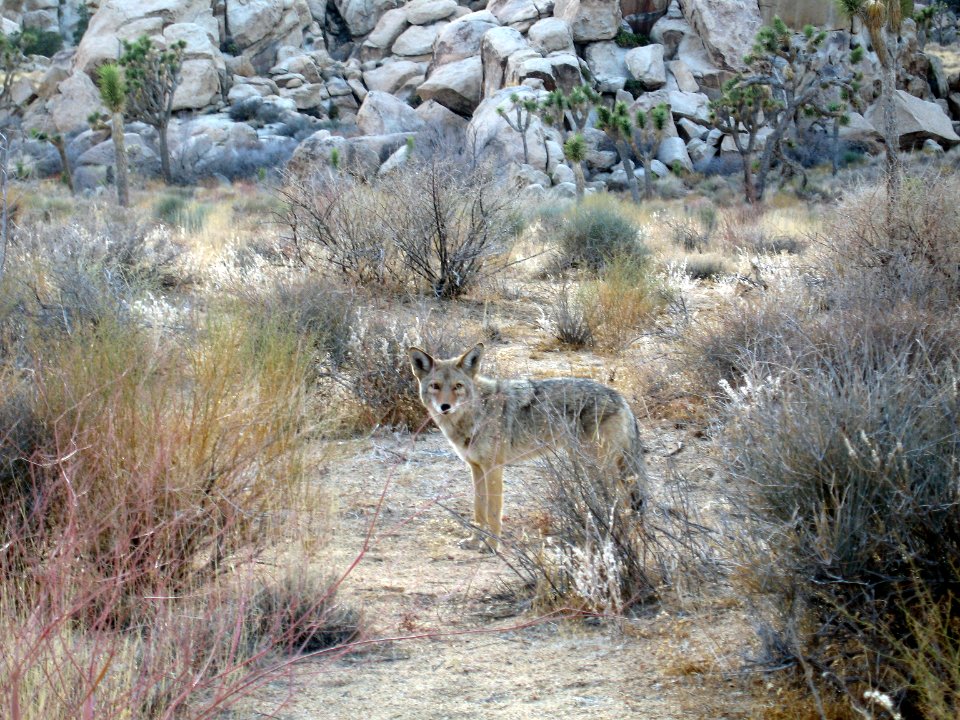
475, 539
494, 488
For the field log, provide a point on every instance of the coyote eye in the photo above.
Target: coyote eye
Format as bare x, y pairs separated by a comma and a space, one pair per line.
435, 387
458, 386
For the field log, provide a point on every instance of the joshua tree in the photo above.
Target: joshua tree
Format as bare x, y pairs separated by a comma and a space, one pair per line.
113, 92
523, 110
58, 142
787, 76
559, 111
650, 128
618, 126
11, 59
152, 75
575, 150
883, 18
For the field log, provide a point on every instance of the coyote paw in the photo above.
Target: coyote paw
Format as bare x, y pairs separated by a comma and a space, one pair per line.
472, 542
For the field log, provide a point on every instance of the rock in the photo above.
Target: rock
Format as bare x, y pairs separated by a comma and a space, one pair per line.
202, 68
436, 115
694, 55
646, 65
607, 62
397, 160
117, 20
797, 13
700, 152
691, 130
551, 35
383, 114
361, 16
496, 47
727, 28
425, 12
521, 176
590, 20
953, 102
563, 174
258, 27
939, 84
859, 130
8, 27
76, 99
685, 80
566, 71
417, 40
389, 27
315, 155
672, 151
932, 147
381, 146
494, 141
141, 158
658, 168
528, 64
520, 14
392, 76
22, 92
670, 32
302, 65
455, 85
461, 38
917, 120
695, 106
307, 97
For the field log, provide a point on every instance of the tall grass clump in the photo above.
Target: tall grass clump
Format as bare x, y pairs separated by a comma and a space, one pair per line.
144, 474
594, 232
625, 298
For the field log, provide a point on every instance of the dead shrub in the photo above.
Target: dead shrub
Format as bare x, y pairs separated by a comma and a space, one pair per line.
569, 320
626, 298
431, 226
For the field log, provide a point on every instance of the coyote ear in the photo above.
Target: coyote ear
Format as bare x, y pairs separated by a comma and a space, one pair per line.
469, 362
421, 363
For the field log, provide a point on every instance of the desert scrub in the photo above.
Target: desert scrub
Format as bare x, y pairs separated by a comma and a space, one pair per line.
626, 298
431, 227
569, 320
593, 233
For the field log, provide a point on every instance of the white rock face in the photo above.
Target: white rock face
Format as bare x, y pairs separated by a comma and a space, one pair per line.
520, 14
455, 85
695, 106
389, 27
646, 65
674, 150
859, 129
202, 67
608, 64
917, 120
417, 40
496, 47
383, 114
551, 35
461, 38
681, 73
117, 20
361, 16
727, 27
590, 20
496, 141
424, 12
76, 99
392, 76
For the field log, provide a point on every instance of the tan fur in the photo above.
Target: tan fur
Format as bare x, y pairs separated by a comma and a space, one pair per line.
491, 423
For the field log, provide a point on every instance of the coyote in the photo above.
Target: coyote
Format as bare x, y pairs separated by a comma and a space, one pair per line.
492, 423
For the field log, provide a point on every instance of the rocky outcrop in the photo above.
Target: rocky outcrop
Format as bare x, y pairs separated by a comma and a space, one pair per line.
77, 97
383, 114
455, 85
917, 120
590, 20
726, 27
646, 66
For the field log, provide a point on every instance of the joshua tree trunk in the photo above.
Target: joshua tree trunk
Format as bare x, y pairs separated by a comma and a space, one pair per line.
628, 169
61, 147
581, 180
164, 155
835, 147
120, 150
891, 137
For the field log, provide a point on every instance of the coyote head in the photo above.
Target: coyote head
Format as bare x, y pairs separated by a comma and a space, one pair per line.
446, 385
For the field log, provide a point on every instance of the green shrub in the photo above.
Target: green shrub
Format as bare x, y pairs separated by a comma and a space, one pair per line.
42, 42
626, 39
597, 230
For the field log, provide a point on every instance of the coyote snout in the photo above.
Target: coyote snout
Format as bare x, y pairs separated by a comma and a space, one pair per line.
491, 423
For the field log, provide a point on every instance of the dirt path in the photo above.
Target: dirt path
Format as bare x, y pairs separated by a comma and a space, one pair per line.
490, 655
